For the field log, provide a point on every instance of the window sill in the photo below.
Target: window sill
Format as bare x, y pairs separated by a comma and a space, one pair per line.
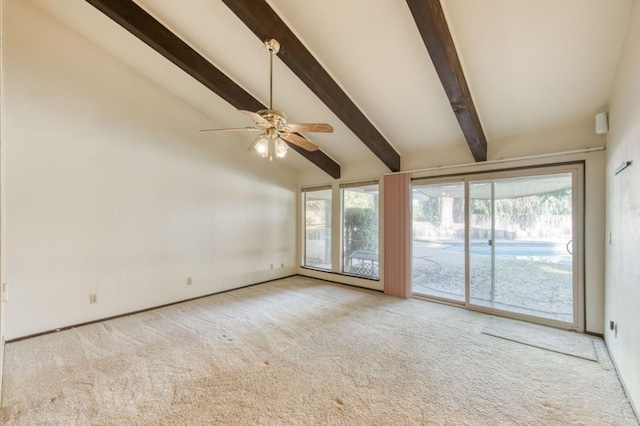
344, 274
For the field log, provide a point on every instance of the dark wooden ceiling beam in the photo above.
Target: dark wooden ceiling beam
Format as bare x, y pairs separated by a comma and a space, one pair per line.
434, 30
265, 23
138, 22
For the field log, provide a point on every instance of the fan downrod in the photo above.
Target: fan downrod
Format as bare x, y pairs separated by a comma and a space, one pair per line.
273, 47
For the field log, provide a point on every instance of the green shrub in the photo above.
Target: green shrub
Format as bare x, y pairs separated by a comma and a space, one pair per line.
360, 230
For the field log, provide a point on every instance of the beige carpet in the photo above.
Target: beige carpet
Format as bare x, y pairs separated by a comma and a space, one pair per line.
300, 351
551, 339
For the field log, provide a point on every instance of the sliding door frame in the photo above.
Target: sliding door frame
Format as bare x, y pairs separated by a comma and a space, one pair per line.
578, 231
434, 181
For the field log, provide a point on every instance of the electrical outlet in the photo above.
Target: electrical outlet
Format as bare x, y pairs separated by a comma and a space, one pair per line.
272, 266
188, 280
93, 298
613, 326
282, 265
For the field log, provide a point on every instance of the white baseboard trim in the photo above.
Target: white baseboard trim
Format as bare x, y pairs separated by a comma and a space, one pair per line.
624, 386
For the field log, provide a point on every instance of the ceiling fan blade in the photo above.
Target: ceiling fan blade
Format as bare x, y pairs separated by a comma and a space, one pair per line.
309, 127
300, 141
232, 129
255, 117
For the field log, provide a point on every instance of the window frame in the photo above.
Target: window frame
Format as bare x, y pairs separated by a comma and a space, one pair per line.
342, 266
304, 192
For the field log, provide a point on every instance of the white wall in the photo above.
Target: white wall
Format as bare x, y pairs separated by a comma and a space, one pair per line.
109, 189
623, 210
1, 190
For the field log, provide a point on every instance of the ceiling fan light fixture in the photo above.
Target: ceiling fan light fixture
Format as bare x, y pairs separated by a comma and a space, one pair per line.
262, 147
271, 146
281, 148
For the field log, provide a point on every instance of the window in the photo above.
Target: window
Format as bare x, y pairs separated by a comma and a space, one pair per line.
317, 227
360, 205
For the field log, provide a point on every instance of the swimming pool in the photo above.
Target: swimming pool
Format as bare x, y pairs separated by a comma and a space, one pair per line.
514, 249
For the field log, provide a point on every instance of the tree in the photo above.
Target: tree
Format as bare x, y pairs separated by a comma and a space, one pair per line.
428, 210
360, 230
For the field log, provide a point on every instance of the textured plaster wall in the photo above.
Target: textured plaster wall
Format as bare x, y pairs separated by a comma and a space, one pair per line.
109, 189
622, 301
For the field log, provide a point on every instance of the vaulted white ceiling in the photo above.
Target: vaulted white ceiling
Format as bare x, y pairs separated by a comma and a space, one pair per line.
530, 65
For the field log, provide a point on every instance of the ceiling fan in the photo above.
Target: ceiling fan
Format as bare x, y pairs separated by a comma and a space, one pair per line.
272, 124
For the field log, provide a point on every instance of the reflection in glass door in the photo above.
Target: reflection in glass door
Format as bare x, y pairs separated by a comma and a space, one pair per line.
521, 233
438, 241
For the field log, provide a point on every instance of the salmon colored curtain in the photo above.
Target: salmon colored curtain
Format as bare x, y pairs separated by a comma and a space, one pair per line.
397, 235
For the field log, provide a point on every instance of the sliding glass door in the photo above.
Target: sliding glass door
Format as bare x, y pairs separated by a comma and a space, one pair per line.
520, 245
438, 240
502, 242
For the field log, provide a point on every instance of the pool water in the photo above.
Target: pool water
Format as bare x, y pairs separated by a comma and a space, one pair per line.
514, 249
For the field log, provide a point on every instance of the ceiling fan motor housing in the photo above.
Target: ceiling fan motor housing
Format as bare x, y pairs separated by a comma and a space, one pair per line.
276, 119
